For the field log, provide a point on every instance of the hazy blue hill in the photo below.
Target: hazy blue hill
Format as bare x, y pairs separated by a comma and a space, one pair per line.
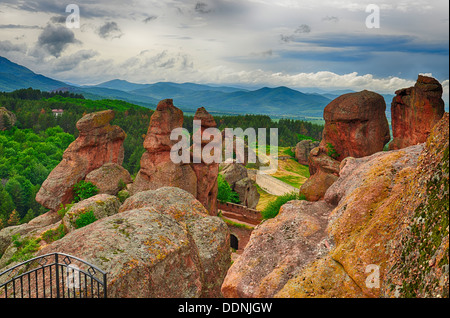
14, 76
279, 101
120, 85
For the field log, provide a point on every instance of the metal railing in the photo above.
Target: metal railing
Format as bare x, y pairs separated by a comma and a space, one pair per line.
54, 275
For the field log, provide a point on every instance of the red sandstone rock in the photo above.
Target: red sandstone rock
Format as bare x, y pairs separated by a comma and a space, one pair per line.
356, 125
157, 168
98, 143
415, 111
207, 173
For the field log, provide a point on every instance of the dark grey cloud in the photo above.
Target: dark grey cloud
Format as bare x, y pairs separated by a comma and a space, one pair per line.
304, 28
203, 8
19, 26
331, 19
58, 19
109, 30
55, 39
150, 19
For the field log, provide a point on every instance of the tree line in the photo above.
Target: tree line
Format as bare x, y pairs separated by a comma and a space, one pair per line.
34, 146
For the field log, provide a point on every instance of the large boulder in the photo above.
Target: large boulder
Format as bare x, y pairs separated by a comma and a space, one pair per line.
7, 119
415, 111
100, 205
109, 178
324, 171
356, 125
98, 143
303, 149
157, 169
162, 242
277, 248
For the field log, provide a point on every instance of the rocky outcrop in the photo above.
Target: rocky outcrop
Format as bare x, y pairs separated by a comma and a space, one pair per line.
303, 149
324, 171
386, 214
109, 178
237, 177
162, 242
207, 186
157, 169
276, 248
355, 126
98, 143
101, 206
7, 119
415, 111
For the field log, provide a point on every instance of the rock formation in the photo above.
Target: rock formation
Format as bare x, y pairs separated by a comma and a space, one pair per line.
387, 211
109, 178
237, 177
98, 143
415, 111
7, 119
207, 173
303, 149
162, 244
157, 169
355, 126
101, 205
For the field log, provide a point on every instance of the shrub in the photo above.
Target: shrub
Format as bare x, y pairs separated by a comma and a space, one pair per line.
85, 219
84, 190
332, 151
25, 249
54, 235
225, 193
63, 210
273, 208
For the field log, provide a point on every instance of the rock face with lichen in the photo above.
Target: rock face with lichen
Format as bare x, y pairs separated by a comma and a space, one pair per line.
303, 149
415, 111
98, 143
387, 211
161, 244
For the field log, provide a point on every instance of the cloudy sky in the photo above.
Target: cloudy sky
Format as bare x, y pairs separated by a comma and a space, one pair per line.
296, 43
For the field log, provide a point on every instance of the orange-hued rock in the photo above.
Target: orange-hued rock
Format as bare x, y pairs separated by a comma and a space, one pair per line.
415, 111
157, 168
98, 143
386, 212
356, 125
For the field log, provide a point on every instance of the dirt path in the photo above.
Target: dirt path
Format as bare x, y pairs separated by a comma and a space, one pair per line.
273, 186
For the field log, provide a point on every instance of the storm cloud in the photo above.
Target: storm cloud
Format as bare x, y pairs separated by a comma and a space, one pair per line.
55, 39
109, 30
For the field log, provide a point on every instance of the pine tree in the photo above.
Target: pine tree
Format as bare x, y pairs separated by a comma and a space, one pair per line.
14, 219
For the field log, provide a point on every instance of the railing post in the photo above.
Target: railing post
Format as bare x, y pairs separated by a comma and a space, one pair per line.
57, 275
105, 294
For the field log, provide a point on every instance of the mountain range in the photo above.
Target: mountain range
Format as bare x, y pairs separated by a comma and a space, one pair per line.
275, 102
